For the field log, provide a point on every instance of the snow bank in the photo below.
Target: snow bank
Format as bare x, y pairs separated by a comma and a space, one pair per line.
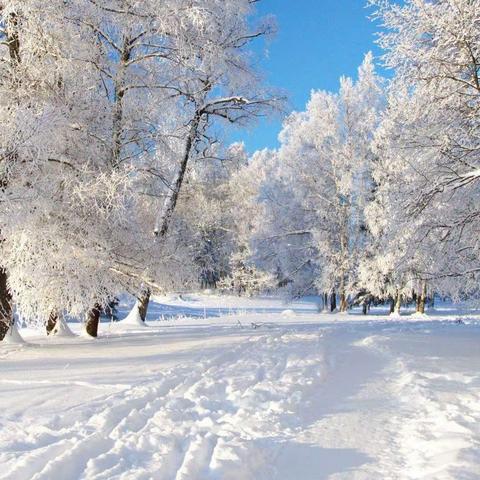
419, 316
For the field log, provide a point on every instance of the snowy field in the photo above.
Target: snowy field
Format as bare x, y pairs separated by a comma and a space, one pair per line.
229, 389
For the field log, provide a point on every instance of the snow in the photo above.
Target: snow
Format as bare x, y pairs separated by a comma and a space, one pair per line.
61, 328
13, 336
201, 395
133, 318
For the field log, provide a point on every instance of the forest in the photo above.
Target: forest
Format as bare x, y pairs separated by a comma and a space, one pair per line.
117, 175
177, 305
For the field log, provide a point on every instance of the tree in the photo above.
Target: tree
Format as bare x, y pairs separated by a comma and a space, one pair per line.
218, 84
430, 141
324, 182
107, 103
9, 32
60, 206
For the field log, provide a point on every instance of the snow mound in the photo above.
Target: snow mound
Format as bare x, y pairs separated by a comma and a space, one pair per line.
84, 334
133, 318
13, 336
288, 313
62, 330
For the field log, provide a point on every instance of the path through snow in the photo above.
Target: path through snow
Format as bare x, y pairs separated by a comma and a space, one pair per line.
305, 396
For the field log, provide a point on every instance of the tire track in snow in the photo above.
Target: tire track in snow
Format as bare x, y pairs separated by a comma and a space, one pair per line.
202, 420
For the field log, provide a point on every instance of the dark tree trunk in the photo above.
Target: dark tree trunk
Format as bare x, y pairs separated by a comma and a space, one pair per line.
143, 301
431, 300
422, 298
52, 322
13, 40
6, 310
365, 308
392, 304
170, 203
333, 301
325, 301
92, 320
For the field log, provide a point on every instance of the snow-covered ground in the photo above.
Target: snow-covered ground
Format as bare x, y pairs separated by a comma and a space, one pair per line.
220, 388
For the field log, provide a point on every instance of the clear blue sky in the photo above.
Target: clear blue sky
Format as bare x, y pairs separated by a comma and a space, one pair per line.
317, 42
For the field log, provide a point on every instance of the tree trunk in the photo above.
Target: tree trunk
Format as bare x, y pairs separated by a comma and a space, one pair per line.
52, 322
398, 303
163, 221
422, 298
92, 320
431, 300
333, 301
392, 304
343, 296
143, 301
6, 310
119, 86
365, 307
325, 302
13, 40
343, 302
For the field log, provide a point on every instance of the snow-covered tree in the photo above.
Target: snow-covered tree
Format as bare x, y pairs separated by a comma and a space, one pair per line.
428, 147
323, 177
60, 206
280, 225
103, 103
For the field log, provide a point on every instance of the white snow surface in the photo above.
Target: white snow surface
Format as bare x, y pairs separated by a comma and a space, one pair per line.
221, 388
133, 318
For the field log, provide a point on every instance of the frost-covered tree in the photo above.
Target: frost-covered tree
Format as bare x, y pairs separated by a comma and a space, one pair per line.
60, 207
170, 65
279, 225
429, 147
103, 103
219, 83
323, 183
210, 206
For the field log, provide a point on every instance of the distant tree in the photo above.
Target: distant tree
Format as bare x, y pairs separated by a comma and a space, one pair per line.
316, 195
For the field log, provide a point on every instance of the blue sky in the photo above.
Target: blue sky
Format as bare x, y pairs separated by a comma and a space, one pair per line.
317, 42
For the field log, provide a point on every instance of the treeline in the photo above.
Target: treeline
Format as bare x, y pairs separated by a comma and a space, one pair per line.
374, 193
114, 176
